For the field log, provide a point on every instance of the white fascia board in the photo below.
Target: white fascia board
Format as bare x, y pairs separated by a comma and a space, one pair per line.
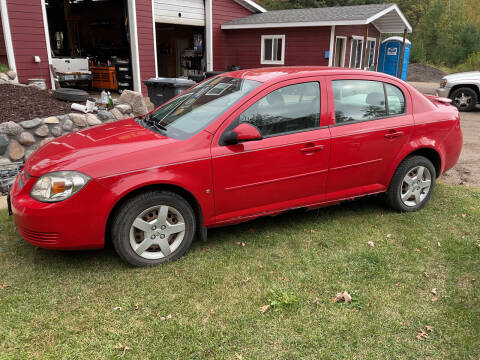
251, 5
154, 38
386, 11
332, 41
7, 35
209, 33
297, 24
132, 22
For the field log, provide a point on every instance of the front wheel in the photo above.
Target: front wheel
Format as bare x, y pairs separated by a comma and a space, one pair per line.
465, 99
412, 184
152, 228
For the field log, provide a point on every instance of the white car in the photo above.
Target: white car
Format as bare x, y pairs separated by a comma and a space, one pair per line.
463, 88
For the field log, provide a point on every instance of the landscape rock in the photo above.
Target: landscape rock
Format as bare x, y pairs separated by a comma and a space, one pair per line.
105, 115
4, 160
29, 124
28, 153
124, 108
92, 119
78, 119
10, 128
4, 77
118, 115
25, 138
16, 151
67, 125
57, 130
62, 117
51, 120
136, 100
45, 141
11, 74
42, 131
4, 141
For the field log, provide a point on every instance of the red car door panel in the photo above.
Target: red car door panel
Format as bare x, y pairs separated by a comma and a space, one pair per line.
274, 173
362, 152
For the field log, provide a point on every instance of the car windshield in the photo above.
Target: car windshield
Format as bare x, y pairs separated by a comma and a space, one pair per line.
192, 111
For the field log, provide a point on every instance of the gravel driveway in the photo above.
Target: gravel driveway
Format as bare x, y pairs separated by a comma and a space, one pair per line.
467, 170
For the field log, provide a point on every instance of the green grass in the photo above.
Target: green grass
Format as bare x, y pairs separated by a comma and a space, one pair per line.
3, 68
64, 305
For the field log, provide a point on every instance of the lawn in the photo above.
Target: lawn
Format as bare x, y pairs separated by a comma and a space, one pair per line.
90, 305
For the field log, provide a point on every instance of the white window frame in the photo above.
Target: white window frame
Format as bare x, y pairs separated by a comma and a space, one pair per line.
355, 37
272, 62
374, 40
342, 60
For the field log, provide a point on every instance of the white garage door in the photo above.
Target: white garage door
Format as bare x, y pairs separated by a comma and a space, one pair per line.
184, 12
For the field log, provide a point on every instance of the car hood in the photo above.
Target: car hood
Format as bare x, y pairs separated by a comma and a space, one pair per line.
470, 75
101, 151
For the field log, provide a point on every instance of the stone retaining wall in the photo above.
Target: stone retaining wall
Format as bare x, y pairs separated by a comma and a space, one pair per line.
19, 141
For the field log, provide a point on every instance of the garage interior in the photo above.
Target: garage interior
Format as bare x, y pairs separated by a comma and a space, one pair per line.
97, 30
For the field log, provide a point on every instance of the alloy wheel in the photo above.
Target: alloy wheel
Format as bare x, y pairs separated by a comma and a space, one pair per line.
416, 185
462, 100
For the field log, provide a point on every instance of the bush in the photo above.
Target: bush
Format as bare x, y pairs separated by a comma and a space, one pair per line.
3, 68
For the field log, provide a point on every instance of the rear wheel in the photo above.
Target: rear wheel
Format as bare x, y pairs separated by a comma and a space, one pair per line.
412, 184
465, 99
152, 228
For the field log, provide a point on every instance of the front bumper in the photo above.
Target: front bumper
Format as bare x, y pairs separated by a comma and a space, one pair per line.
442, 92
76, 223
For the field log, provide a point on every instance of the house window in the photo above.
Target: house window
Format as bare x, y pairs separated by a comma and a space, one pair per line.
356, 53
273, 49
370, 58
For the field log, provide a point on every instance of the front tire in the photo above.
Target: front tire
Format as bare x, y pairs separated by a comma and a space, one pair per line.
412, 184
465, 99
152, 228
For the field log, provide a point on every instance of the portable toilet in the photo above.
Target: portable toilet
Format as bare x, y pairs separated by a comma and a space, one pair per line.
390, 56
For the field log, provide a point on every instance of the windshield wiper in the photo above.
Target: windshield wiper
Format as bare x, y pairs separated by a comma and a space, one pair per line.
153, 123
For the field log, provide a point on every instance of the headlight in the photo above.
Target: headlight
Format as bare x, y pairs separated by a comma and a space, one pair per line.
443, 83
58, 186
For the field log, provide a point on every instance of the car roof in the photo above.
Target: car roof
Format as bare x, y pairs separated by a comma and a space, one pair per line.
282, 73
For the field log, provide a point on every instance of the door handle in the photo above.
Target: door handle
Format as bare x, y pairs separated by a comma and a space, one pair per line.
309, 148
392, 134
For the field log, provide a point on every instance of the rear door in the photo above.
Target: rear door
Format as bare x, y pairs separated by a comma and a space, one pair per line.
288, 167
370, 121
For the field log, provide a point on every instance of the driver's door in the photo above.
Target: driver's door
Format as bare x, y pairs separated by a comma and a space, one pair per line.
288, 167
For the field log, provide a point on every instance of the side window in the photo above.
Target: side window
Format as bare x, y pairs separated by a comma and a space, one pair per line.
358, 100
289, 109
395, 100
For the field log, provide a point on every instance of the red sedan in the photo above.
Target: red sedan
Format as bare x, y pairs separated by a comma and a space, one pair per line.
233, 148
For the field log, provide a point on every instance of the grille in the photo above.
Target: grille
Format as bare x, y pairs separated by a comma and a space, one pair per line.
37, 237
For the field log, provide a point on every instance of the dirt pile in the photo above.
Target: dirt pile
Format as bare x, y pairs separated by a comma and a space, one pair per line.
424, 73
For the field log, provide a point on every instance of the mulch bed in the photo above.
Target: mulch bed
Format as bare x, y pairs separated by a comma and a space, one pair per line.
18, 103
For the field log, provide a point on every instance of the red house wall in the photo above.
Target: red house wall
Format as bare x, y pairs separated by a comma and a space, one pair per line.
357, 30
3, 50
146, 49
303, 46
223, 11
28, 38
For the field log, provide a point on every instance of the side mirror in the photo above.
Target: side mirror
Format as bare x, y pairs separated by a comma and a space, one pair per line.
242, 133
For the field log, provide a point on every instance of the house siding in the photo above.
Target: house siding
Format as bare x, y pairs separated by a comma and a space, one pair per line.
28, 38
303, 46
146, 47
224, 11
357, 30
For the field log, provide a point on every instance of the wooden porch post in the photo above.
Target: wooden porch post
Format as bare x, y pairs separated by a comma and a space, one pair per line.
400, 68
364, 52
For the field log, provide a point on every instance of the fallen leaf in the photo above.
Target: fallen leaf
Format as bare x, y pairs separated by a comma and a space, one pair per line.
204, 250
212, 311
119, 308
369, 303
370, 243
177, 272
287, 279
238, 356
322, 243
389, 236
426, 274
247, 279
438, 243
340, 297
123, 348
429, 328
422, 335
316, 301
416, 250
263, 309
136, 306
464, 215
398, 284
434, 291
169, 316
260, 266
434, 299
240, 243
5, 285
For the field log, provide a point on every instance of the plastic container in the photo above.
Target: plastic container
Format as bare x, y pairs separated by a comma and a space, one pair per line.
160, 90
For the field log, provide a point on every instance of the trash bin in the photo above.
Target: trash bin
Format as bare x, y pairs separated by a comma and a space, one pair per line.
160, 90
210, 74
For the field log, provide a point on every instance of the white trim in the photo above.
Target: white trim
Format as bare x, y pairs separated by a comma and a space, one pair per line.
132, 25
7, 35
209, 34
251, 5
154, 38
262, 52
358, 38
47, 42
374, 40
344, 52
332, 39
294, 24
386, 11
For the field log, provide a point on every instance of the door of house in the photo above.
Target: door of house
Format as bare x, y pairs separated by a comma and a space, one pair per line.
340, 46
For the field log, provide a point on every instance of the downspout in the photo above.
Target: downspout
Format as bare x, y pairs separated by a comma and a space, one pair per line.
209, 33
132, 27
332, 42
8, 36
47, 42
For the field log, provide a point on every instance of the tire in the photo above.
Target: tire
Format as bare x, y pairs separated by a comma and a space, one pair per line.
147, 247
398, 196
72, 95
465, 99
